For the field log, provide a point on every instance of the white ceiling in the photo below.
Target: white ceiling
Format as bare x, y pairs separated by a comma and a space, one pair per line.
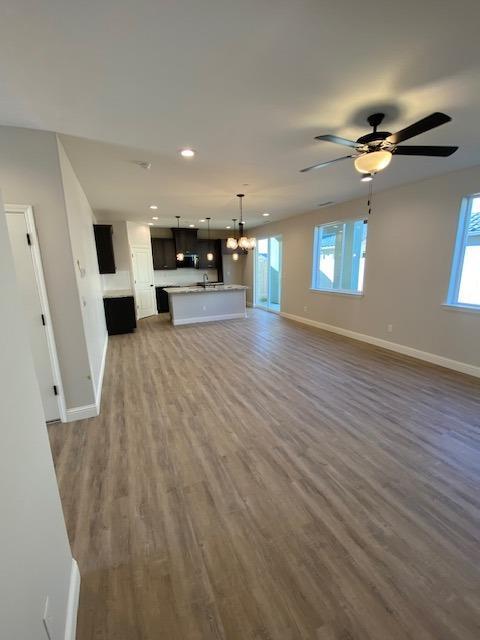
247, 83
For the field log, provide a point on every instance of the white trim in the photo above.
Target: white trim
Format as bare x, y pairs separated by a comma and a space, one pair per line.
433, 358
228, 316
81, 413
27, 211
339, 292
72, 604
469, 308
98, 390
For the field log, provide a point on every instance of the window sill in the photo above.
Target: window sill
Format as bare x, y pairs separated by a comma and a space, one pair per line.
339, 292
449, 306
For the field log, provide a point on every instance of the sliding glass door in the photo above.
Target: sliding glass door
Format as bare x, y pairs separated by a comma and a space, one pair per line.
268, 273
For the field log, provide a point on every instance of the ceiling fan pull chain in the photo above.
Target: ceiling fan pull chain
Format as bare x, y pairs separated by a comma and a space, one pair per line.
370, 197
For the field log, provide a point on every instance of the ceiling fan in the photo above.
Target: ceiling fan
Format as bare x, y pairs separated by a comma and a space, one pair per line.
373, 151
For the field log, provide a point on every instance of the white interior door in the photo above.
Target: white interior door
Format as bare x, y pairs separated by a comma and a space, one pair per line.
30, 298
142, 267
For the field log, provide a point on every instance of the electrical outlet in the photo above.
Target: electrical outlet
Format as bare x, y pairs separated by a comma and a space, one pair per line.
389, 328
47, 620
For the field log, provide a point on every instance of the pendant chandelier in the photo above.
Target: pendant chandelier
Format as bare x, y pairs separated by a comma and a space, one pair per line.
235, 255
209, 254
244, 242
180, 255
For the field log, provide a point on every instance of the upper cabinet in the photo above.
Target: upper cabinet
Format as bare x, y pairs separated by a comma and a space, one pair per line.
164, 256
205, 247
104, 244
185, 241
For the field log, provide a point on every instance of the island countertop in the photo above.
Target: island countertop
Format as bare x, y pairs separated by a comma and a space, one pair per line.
213, 288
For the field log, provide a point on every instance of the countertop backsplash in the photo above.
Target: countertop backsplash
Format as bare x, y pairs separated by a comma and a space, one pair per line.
183, 276
118, 280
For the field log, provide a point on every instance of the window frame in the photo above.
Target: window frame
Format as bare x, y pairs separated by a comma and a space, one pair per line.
317, 238
456, 267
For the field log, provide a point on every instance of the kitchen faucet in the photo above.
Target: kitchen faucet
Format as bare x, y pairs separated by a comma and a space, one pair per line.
205, 280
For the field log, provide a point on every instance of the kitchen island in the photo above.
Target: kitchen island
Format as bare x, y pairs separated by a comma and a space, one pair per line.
189, 305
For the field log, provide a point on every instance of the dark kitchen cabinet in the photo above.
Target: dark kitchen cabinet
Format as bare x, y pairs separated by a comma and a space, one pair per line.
104, 243
164, 256
120, 315
185, 241
204, 247
219, 259
162, 300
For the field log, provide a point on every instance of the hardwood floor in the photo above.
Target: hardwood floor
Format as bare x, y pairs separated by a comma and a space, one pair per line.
259, 479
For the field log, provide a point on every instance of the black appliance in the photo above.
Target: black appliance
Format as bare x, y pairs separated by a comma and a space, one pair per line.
188, 262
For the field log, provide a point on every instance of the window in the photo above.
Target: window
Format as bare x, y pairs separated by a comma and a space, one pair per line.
339, 256
465, 279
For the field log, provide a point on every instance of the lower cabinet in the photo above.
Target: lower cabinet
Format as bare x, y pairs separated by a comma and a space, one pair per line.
120, 315
162, 300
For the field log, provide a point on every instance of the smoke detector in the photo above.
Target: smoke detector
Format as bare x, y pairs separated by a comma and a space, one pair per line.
143, 164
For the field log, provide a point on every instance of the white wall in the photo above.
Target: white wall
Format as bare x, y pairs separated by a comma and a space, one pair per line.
36, 561
138, 235
411, 235
30, 174
80, 222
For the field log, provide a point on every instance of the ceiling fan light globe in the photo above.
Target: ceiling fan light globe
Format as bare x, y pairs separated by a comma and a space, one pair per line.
366, 177
373, 162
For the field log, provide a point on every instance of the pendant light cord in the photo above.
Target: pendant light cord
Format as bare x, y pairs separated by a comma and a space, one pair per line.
370, 197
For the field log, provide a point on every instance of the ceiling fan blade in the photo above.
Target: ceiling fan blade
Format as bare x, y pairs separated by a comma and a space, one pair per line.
430, 122
325, 164
337, 140
442, 152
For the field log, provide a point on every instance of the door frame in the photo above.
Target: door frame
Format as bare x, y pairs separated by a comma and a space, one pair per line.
27, 211
261, 306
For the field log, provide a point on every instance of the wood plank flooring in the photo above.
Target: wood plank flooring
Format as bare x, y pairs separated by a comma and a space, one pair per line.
263, 480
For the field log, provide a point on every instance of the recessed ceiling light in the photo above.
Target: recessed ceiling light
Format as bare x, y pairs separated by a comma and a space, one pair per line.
154, 207
265, 215
154, 217
202, 220
191, 225
187, 153
228, 227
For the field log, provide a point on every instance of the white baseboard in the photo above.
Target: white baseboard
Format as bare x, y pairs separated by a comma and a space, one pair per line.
90, 410
433, 358
98, 390
81, 413
72, 604
228, 316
